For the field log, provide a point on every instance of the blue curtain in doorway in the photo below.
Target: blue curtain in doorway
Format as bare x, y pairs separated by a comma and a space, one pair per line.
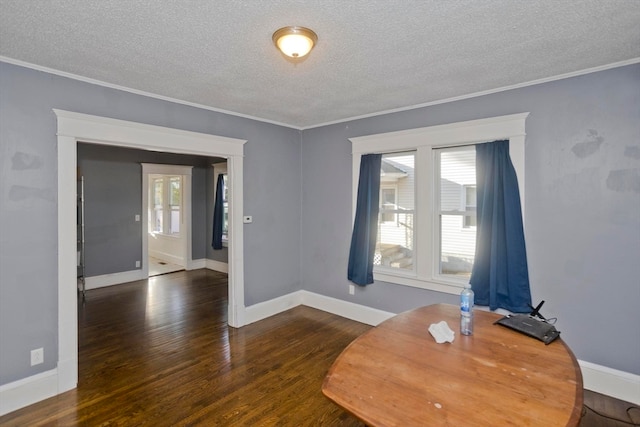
500, 276
218, 213
365, 226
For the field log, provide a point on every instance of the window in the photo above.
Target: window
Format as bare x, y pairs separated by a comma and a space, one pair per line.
221, 169
225, 212
455, 171
394, 246
427, 220
166, 201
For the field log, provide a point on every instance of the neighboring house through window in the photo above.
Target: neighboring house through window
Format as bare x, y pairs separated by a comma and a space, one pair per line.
427, 219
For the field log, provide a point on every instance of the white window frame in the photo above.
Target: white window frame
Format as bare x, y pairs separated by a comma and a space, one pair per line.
220, 168
424, 140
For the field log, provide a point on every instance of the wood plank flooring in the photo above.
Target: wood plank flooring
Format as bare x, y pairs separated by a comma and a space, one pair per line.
160, 353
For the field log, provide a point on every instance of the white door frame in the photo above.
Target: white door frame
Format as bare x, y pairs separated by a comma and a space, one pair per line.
77, 127
160, 169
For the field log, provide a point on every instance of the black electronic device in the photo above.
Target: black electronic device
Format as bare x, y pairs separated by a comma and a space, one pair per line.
532, 324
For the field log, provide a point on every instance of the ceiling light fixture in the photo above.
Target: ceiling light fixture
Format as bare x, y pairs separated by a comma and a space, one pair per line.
295, 42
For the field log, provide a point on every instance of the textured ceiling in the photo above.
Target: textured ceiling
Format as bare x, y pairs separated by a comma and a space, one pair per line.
371, 56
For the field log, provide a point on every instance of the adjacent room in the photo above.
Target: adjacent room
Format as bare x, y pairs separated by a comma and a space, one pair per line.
180, 204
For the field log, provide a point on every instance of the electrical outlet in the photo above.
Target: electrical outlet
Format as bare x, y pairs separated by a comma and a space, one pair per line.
37, 356
352, 289
137, 264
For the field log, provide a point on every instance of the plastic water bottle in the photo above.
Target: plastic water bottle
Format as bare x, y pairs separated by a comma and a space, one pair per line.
466, 310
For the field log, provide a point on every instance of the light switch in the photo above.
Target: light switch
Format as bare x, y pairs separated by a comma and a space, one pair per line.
137, 218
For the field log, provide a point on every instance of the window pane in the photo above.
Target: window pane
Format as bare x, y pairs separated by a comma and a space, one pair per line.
457, 201
157, 191
174, 190
394, 246
157, 223
174, 227
470, 206
175, 199
388, 200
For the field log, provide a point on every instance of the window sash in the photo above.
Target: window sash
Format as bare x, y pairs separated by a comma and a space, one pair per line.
455, 243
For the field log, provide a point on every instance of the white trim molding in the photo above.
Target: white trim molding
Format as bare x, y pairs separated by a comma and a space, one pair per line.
619, 384
95, 282
214, 265
349, 310
26, 391
74, 127
346, 309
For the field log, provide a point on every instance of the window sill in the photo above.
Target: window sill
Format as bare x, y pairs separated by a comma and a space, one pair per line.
167, 236
453, 288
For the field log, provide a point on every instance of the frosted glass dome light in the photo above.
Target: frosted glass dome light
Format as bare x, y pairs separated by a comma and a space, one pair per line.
295, 42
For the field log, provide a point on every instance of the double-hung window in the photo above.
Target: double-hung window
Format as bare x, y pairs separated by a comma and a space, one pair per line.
427, 218
166, 201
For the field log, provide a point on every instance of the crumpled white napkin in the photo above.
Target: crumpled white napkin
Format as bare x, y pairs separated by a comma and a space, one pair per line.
441, 332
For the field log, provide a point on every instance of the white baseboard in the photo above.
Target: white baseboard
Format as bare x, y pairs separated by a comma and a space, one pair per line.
196, 264
349, 310
619, 384
265, 309
27, 391
95, 282
220, 266
166, 256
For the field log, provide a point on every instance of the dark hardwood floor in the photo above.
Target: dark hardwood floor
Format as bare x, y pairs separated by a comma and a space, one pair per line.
159, 353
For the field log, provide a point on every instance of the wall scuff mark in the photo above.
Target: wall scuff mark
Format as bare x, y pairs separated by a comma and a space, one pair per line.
632, 151
19, 193
591, 144
624, 180
22, 161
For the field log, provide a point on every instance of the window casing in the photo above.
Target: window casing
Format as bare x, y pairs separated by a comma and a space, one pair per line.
427, 271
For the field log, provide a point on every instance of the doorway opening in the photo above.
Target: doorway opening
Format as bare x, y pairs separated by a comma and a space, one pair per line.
166, 224
74, 127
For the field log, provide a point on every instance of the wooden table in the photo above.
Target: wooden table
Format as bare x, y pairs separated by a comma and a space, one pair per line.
397, 375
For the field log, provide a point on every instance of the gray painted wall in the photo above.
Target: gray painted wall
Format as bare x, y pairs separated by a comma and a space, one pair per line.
582, 207
28, 200
581, 218
113, 196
